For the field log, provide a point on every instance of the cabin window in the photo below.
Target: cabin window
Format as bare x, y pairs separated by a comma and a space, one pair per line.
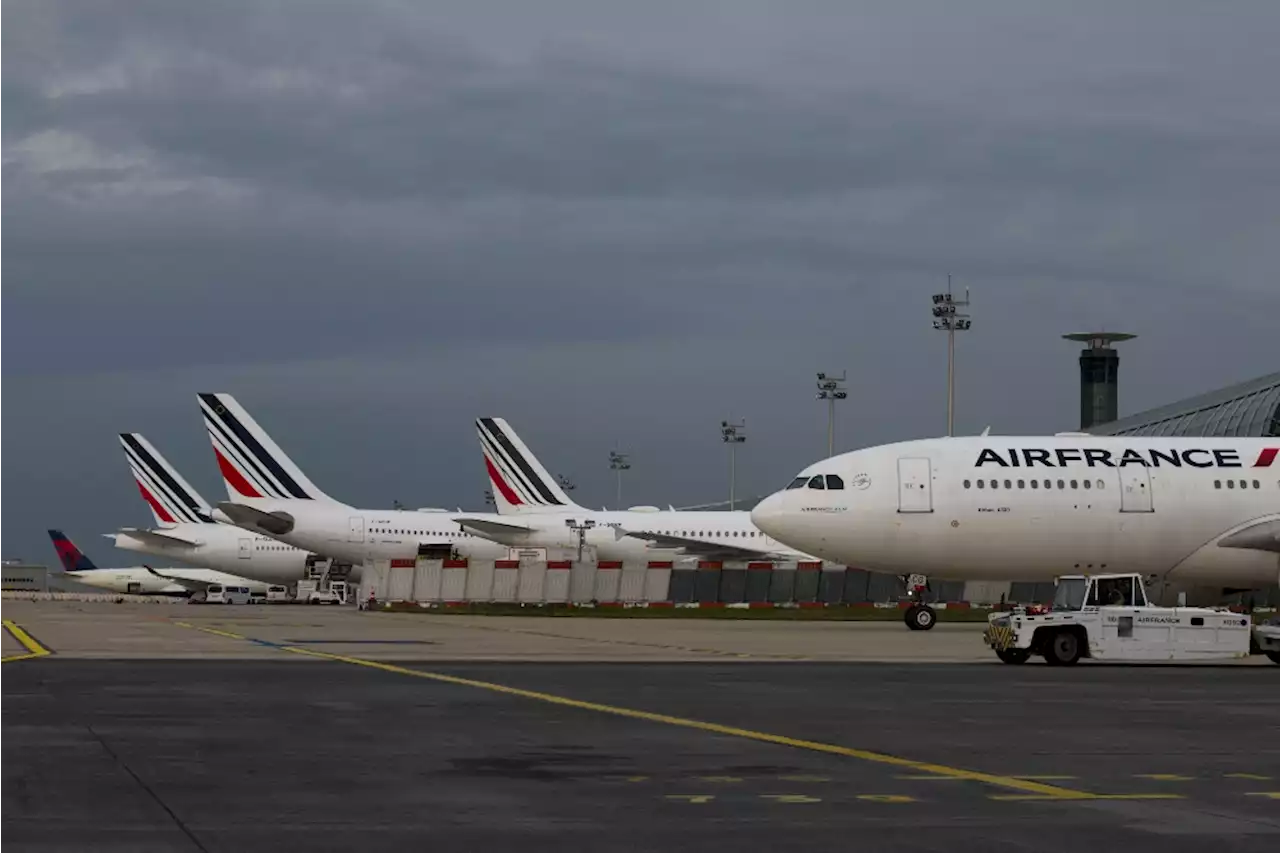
1231, 484
1022, 484
1008, 484
1075, 484
1088, 483
1061, 484
1257, 485
1244, 484
995, 484
1035, 484
982, 484
967, 484
834, 482
1101, 485
1217, 484
816, 482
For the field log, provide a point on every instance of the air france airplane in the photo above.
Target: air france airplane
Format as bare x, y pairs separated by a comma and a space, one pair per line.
185, 529
1180, 510
141, 580
534, 511
270, 495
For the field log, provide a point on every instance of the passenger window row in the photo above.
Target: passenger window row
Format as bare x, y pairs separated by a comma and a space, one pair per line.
1231, 484
1035, 484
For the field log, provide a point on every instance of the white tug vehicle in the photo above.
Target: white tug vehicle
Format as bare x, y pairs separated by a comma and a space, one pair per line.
1108, 617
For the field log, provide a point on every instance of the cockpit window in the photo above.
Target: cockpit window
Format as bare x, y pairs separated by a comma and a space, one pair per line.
816, 482
834, 482
798, 483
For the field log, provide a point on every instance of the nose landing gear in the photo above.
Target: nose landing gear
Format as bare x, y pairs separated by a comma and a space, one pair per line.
919, 616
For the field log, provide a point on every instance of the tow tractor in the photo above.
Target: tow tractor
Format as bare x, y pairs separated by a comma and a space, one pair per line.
1109, 617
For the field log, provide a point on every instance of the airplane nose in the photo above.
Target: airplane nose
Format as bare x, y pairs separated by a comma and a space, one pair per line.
768, 513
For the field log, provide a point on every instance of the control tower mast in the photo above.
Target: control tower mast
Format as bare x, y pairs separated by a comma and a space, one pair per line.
1099, 376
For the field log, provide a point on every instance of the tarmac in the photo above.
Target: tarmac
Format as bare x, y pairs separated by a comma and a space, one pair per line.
315, 728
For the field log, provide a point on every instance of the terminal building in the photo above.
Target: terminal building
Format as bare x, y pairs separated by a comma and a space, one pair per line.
1247, 410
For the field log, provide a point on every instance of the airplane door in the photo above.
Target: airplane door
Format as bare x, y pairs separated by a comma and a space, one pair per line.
1135, 489
915, 493
246, 549
356, 530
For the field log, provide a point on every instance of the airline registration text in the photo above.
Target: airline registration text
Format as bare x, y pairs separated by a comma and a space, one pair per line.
1094, 457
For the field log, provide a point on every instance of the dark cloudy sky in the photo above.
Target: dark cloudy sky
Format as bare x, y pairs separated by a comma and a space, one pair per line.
612, 223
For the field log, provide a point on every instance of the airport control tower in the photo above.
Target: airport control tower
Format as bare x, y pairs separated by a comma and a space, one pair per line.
1099, 377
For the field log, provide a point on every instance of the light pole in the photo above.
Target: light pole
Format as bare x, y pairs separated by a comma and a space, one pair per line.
581, 530
619, 462
831, 388
565, 483
948, 317
733, 434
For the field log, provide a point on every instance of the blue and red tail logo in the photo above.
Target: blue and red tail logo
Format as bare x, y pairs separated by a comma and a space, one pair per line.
73, 559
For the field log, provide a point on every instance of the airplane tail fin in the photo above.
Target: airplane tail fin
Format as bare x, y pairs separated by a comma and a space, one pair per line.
73, 559
520, 482
171, 498
252, 465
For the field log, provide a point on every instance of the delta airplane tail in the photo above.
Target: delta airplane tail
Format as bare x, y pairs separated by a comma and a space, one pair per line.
171, 498
73, 559
520, 483
252, 465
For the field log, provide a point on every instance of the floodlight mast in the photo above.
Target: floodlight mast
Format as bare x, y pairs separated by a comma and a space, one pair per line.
948, 317
733, 434
831, 388
581, 530
619, 462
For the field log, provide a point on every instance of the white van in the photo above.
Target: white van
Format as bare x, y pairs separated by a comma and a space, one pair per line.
277, 593
219, 594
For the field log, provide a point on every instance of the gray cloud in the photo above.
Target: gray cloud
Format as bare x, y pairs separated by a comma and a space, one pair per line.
609, 224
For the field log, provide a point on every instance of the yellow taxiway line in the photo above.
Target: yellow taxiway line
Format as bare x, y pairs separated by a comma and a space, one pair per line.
1025, 787
33, 647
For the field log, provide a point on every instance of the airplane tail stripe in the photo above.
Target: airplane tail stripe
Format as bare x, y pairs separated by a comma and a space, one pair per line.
233, 476
512, 453
160, 471
501, 484
147, 478
231, 449
155, 496
156, 507
508, 471
252, 445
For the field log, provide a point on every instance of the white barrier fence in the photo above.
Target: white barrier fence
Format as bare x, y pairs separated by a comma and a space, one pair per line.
22, 595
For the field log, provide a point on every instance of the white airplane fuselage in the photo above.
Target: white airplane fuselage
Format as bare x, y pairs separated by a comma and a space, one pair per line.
139, 581
355, 535
610, 540
223, 548
1030, 508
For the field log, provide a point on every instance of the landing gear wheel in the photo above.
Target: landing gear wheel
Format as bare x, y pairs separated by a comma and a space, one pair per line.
1014, 656
920, 617
1064, 649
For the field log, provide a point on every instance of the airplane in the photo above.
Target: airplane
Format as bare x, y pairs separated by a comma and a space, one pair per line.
186, 531
142, 580
535, 512
1183, 511
270, 495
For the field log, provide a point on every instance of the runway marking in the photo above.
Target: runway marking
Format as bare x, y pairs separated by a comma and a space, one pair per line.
1164, 777
729, 779
1255, 777
805, 778
903, 798
691, 798
220, 633
996, 780
1041, 798
32, 646
1271, 795
791, 798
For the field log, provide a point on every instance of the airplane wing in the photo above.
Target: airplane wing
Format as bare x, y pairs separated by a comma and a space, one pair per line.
185, 583
485, 525
154, 537
704, 550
